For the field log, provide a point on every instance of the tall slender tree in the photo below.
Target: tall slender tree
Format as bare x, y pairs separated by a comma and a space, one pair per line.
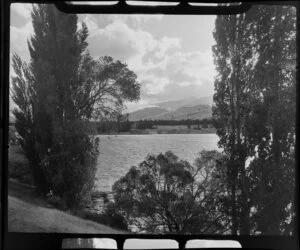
60, 88
254, 113
47, 84
274, 79
231, 98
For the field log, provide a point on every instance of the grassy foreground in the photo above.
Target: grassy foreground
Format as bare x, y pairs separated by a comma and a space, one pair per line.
29, 213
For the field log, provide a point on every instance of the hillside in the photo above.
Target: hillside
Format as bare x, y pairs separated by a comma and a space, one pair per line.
29, 213
182, 113
146, 113
189, 102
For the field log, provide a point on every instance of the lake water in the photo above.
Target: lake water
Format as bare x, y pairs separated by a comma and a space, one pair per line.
119, 153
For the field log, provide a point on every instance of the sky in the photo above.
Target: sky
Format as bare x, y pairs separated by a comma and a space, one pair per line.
170, 54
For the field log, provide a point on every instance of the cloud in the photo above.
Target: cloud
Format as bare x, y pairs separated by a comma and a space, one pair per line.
182, 90
166, 44
22, 9
165, 70
18, 40
120, 41
135, 20
123, 42
195, 64
177, 75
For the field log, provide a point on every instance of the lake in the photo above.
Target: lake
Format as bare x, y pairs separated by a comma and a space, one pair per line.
118, 153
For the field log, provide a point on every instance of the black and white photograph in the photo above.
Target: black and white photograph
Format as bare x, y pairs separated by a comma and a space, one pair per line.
152, 123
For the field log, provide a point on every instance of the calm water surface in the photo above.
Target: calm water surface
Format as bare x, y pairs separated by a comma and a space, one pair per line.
119, 153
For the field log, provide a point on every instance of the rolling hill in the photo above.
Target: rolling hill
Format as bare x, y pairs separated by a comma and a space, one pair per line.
175, 110
146, 113
189, 102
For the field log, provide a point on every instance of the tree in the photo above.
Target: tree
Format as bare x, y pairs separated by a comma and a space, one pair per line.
60, 88
272, 170
232, 100
254, 113
105, 84
44, 91
167, 195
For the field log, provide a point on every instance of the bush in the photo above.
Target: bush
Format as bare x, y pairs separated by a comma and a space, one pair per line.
100, 195
18, 167
167, 195
21, 172
110, 217
57, 202
97, 194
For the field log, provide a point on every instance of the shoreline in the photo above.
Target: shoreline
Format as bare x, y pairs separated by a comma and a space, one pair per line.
155, 132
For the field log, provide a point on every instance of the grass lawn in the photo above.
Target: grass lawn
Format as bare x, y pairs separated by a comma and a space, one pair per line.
29, 212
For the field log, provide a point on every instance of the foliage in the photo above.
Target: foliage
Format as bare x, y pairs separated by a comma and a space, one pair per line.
254, 114
232, 97
105, 85
59, 89
57, 202
168, 195
17, 166
109, 217
144, 124
122, 124
274, 78
76, 155
118, 124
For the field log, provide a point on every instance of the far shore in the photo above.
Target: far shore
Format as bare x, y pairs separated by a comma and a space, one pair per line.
163, 131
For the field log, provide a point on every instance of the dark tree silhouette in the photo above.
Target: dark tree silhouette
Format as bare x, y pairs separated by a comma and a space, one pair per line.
61, 88
167, 195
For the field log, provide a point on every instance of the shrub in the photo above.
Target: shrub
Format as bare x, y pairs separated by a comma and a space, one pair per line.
167, 195
109, 217
18, 167
21, 172
57, 202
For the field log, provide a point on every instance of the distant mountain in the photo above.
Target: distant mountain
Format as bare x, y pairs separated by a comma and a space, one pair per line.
194, 112
146, 113
189, 102
183, 113
191, 108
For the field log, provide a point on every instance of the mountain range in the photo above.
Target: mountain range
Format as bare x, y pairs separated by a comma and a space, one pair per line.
191, 108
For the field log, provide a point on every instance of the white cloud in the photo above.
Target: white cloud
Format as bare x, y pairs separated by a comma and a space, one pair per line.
135, 19
22, 9
164, 69
153, 85
18, 40
167, 43
193, 64
120, 41
176, 75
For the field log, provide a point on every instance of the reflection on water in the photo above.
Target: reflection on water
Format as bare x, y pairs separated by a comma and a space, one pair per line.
119, 153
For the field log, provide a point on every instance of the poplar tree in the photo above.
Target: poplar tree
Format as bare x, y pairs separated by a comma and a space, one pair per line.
272, 170
254, 114
232, 97
44, 92
56, 92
